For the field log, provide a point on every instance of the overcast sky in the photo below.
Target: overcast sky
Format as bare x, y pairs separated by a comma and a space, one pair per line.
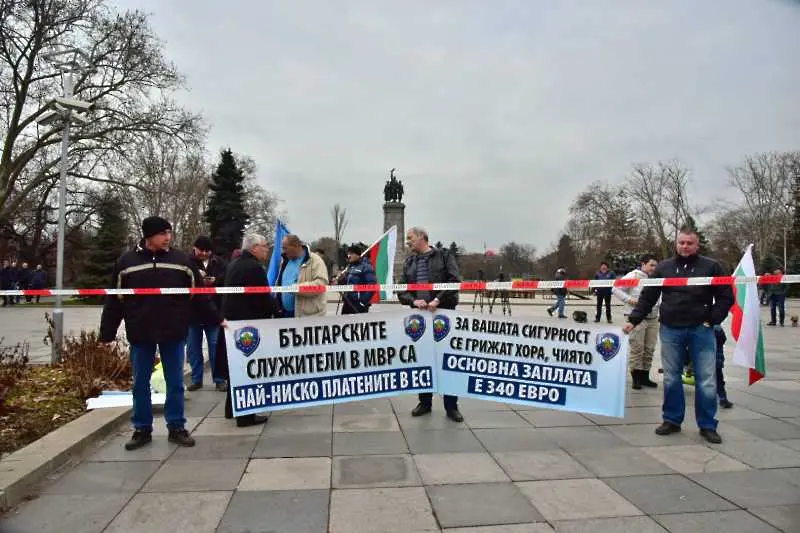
496, 112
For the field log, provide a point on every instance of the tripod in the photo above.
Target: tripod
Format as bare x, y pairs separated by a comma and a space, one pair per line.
480, 295
505, 304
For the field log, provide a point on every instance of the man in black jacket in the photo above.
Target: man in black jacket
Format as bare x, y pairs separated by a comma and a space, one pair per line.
688, 315
358, 272
430, 265
157, 321
212, 272
246, 271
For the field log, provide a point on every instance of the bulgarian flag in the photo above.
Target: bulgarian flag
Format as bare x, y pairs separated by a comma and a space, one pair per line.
381, 254
746, 326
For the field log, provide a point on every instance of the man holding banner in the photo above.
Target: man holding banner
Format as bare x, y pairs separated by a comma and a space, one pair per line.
687, 315
426, 264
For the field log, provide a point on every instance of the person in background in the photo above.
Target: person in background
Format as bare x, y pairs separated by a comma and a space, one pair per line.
722, 395
603, 293
6, 282
25, 281
212, 271
38, 280
644, 337
301, 266
245, 271
561, 295
359, 272
776, 294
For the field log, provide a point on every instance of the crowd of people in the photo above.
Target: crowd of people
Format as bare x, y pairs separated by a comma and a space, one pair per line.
14, 277
687, 319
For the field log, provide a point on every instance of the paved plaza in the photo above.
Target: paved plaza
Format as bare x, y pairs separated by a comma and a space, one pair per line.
370, 467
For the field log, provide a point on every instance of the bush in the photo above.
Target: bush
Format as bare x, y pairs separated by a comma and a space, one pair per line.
92, 365
13, 366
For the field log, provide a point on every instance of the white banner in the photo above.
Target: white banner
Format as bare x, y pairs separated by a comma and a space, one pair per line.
290, 363
556, 365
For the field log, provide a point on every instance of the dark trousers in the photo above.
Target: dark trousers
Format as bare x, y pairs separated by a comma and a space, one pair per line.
777, 302
720, 376
348, 309
603, 297
450, 402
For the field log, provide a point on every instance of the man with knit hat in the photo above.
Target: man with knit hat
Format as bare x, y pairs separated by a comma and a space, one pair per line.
155, 322
212, 272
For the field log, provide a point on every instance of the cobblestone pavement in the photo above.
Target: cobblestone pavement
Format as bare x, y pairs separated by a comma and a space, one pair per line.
370, 467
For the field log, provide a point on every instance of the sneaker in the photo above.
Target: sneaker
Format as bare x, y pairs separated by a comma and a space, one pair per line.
194, 386
688, 379
222, 387
180, 437
421, 409
667, 427
711, 436
140, 438
725, 404
455, 415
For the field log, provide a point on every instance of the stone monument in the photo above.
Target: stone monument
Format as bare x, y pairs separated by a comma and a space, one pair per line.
394, 215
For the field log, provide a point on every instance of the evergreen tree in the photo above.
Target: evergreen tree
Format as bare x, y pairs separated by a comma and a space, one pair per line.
565, 254
226, 215
455, 251
105, 247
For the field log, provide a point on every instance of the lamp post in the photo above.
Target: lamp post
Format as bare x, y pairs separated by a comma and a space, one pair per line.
64, 109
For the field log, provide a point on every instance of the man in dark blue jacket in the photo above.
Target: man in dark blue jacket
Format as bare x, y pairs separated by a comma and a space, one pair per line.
603, 293
688, 315
358, 272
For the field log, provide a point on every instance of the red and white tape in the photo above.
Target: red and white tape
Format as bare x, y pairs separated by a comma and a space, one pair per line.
465, 286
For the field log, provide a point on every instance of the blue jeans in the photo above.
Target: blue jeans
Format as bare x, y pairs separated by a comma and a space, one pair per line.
561, 303
777, 302
194, 350
699, 343
143, 358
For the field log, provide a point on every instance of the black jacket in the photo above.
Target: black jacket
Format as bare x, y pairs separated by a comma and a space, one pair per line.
442, 268
216, 268
686, 306
360, 273
158, 317
247, 271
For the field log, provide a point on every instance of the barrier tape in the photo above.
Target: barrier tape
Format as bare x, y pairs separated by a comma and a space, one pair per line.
465, 286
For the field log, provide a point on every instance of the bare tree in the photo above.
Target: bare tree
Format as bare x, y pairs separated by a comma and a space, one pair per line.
765, 183
658, 196
129, 83
339, 215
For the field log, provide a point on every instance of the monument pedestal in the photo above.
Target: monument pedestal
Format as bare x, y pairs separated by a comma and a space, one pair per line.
394, 215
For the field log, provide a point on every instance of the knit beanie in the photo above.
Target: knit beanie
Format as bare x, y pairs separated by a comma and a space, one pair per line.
154, 225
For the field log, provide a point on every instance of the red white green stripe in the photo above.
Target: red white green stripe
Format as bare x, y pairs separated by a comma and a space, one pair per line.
746, 325
381, 255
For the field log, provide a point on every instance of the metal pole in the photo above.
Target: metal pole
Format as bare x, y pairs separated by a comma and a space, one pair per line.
58, 312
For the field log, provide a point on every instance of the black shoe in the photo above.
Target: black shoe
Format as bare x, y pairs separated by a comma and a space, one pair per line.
711, 436
139, 439
421, 409
180, 437
781, 324
596, 320
455, 416
644, 379
635, 377
610, 321
725, 404
250, 420
222, 387
549, 311
771, 324
194, 386
667, 427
